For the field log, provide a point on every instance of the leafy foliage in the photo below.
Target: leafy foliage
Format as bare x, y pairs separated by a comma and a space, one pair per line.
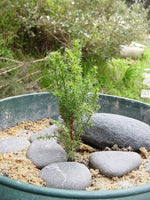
31, 29
101, 25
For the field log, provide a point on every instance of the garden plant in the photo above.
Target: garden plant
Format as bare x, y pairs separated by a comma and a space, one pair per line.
76, 95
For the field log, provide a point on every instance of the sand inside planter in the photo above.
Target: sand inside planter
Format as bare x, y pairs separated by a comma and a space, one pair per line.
17, 166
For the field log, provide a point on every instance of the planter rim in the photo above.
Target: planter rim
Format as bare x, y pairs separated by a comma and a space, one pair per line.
106, 95
46, 191
63, 193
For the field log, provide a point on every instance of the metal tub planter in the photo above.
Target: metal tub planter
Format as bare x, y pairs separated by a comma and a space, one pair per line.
42, 105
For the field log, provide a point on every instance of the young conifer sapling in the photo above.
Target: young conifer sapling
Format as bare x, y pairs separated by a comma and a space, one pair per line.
76, 95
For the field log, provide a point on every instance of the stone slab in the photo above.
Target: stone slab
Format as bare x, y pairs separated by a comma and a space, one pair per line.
146, 80
131, 52
146, 75
145, 94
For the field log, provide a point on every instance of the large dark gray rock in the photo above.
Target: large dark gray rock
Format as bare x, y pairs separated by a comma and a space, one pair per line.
66, 175
44, 152
115, 163
13, 144
110, 129
50, 131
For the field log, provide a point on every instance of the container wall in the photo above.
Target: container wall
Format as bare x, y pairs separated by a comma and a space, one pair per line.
27, 107
42, 105
37, 106
124, 106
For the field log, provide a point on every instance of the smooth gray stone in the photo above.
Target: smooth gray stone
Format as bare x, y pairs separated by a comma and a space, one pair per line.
110, 129
44, 152
66, 175
13, 144
50, 131
115, 163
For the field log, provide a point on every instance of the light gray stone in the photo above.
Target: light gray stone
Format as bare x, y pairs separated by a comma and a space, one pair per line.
13, 144
135, 44
44, 152
50, 131
115, 163
109, 129
66, 175
131, 52
146, 80
145, 94
146, 75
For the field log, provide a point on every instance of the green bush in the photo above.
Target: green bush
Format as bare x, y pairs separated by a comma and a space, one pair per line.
101, 25
37, 27
122, 77
5, 50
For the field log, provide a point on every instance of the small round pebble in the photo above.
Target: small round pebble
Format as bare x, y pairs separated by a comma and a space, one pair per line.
66, 175
115, 163
13, 144
50, 131
44, 152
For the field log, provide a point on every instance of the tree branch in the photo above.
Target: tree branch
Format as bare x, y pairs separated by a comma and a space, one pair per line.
5, 72
12, 60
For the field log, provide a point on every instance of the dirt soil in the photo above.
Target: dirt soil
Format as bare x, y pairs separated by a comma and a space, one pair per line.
15, 165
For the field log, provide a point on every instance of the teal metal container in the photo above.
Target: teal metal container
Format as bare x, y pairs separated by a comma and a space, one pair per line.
42, 105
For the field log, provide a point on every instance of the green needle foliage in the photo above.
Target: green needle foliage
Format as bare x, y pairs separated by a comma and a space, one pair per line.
76, 95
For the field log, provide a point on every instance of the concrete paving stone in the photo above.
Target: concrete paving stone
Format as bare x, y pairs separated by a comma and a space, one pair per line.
145, 94
146, 80
146, 75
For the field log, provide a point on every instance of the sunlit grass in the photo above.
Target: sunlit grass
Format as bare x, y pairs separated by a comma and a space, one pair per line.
124, 77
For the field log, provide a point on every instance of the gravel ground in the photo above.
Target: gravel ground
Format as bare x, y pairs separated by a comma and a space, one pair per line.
16, 166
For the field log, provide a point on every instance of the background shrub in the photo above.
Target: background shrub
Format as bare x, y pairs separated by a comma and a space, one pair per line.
101, 25
31, 29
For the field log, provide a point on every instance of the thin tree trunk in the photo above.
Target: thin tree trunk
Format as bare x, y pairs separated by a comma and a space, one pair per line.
71, 130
